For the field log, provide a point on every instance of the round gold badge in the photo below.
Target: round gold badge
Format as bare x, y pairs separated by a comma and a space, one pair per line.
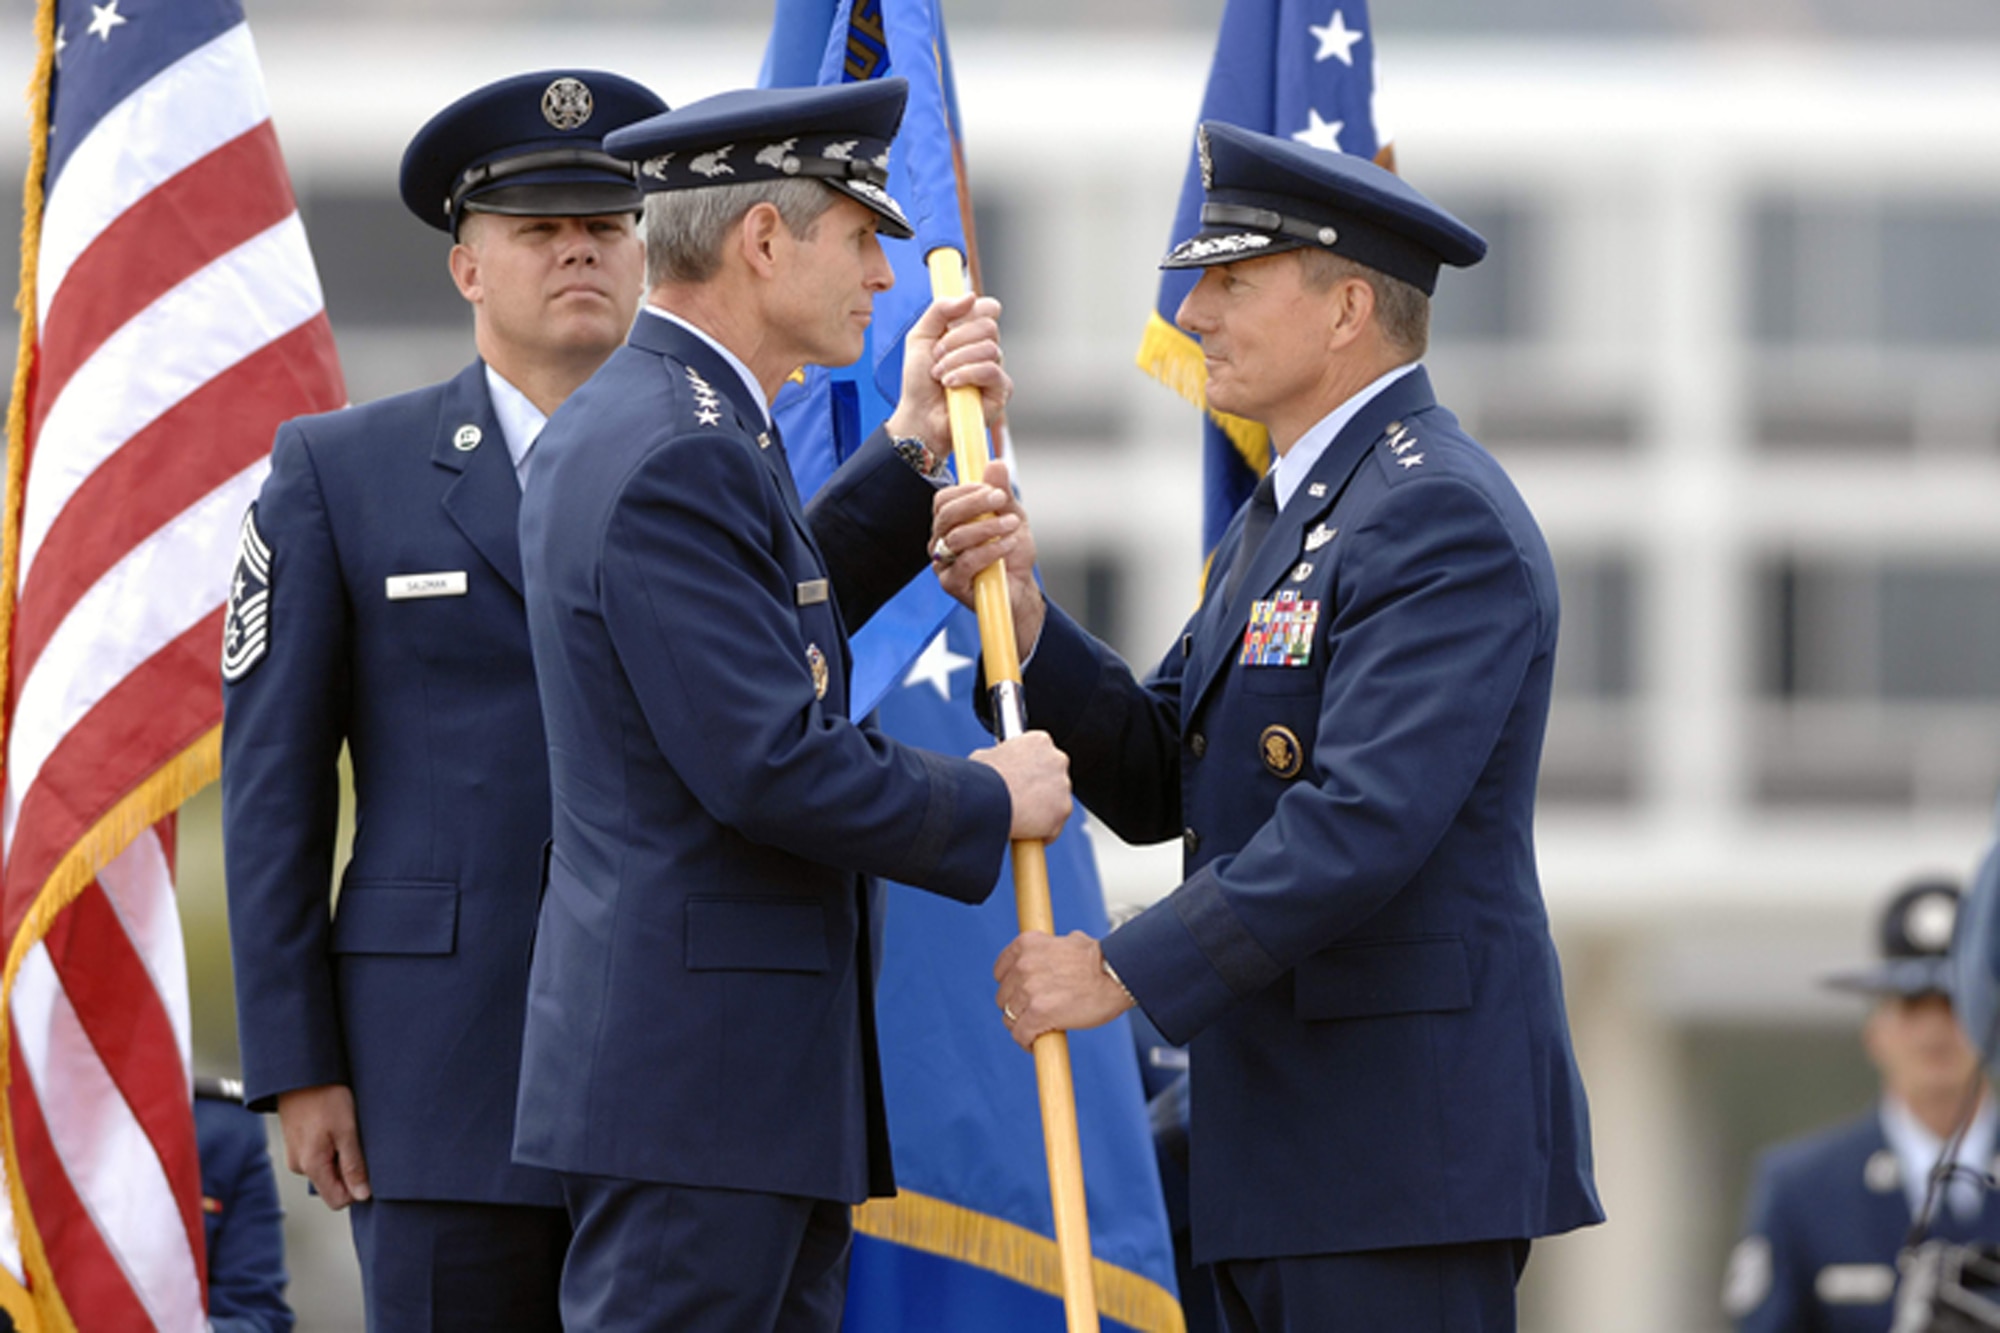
1281, 751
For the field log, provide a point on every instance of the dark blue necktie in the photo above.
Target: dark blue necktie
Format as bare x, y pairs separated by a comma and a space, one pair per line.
1256, 523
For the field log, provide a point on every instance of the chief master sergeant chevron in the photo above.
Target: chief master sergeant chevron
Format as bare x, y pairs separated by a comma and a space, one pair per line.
1385, 1107
700, 1061
378, 605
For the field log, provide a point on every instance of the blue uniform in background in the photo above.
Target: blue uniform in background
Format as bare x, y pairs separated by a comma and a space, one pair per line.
1359, 957
396, 628
1828, 1215
242, 1220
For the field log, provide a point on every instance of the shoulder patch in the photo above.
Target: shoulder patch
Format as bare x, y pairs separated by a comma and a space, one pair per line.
1748, 1281
246, 630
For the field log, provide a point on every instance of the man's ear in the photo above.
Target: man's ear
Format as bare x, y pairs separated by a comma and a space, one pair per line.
464, 263
762, 239
1350, 309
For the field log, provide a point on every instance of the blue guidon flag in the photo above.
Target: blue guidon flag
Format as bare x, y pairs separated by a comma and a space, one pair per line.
1303, 69
967, 1243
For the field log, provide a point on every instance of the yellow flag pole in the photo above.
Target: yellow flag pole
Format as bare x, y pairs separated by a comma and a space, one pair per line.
1002, 657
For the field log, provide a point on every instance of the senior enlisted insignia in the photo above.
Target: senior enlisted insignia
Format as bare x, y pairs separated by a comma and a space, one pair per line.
816, 660
1281, 631
467, 439
246, 630
1281, 751
1749, 1278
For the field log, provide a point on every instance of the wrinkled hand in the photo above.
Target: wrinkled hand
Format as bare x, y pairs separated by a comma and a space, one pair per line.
956, 344
975, 524
1037, 778
1055, 984
323, 1142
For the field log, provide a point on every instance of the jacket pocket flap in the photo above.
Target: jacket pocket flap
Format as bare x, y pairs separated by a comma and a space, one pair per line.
1428, 974
755, 935
396, 916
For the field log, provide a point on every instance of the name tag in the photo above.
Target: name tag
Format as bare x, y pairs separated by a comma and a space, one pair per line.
1855, 1284
448, 583
812, 592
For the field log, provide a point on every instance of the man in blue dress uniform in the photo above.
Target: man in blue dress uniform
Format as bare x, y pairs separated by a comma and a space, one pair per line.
700, 1061
377, 605
242, 1222
1830, 1212
1384, 1103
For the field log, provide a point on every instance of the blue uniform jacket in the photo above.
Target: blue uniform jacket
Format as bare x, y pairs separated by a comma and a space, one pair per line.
1359, 956
701, 1004
413, 991
1828, 1215
245, 1226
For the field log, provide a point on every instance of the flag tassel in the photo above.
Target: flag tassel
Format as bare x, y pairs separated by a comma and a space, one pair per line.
1001, 652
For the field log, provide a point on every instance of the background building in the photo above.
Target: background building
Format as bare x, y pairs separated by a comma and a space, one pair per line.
1738, 339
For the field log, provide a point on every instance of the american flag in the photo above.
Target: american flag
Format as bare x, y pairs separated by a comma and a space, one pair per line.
170, 319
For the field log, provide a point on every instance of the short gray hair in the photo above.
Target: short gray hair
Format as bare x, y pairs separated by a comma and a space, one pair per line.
1403, 310
684, 229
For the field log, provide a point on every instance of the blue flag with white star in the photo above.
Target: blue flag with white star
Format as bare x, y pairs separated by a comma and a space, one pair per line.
1303, 69
968, 1242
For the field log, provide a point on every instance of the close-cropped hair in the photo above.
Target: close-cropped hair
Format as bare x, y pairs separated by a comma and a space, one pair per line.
1403, 311
685, 229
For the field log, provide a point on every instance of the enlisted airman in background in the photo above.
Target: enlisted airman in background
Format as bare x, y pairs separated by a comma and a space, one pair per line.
1830, 1212
377, 606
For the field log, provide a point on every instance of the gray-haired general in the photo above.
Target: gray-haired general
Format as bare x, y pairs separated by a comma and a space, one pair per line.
1384, 1105
377, 608
700, 1063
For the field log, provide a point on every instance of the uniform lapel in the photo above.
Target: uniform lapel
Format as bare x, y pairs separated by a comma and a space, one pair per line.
484, 501
1222, 625
666, 338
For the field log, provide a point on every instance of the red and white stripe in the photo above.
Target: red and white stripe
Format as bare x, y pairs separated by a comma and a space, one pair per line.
180, 320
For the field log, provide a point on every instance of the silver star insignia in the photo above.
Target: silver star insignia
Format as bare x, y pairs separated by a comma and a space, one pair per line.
1412, 460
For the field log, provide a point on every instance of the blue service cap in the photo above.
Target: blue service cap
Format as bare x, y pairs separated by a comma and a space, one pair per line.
531, 145
839, 135
1915, 940
1266, 195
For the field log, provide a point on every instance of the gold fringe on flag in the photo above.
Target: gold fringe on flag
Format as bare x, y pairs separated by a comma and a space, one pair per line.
1174, 359
920, 1222
27, 1312
158, 796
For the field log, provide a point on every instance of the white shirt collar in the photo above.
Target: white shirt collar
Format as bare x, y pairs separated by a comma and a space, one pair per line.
735, 362
1917, 1150
1293, 465
520, 420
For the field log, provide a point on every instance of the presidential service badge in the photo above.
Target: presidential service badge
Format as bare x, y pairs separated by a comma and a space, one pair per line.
246, 629
1281, 751
816, 662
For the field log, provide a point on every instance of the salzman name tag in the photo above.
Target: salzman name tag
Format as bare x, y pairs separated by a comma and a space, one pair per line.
812, 592
404, 587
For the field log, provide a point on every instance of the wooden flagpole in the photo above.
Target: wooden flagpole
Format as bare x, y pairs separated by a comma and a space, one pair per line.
1002, 658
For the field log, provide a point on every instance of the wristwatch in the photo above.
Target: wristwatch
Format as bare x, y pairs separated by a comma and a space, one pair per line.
918, 455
